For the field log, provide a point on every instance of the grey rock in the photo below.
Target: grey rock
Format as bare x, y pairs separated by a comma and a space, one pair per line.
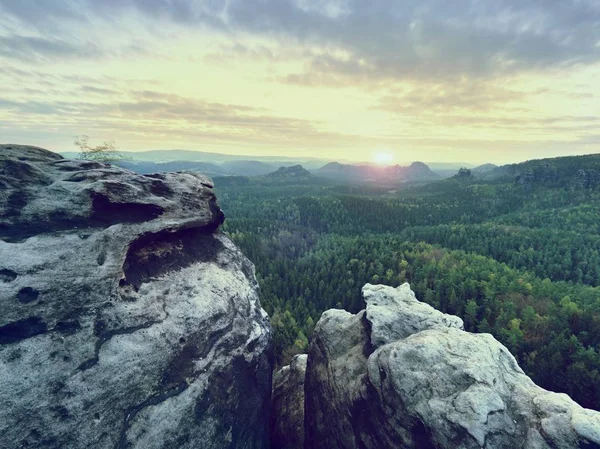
401, 375
395, 314
586, 179
287, 428
126, 319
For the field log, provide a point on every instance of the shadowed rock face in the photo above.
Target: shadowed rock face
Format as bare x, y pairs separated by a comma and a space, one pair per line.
126, 320
287, 428
402, 375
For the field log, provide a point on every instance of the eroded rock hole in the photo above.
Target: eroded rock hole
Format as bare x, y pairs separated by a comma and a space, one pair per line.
7, 275
27, 295
106, 212
21, 330
155, 254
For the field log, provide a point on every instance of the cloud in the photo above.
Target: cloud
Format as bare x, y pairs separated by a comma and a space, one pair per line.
27, 48
433, 38
381, 38
261, 73
158, 112
98, 90
42, 13
471, 95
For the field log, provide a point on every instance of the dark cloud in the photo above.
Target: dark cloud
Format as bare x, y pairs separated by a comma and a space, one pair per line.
381, 38
435, 38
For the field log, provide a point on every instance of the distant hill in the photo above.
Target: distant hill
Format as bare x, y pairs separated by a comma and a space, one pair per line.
417, 171
231, 168
161, 156
441, 166
569, 171
248, 168
296, 171
144, 167
448, 169
485, 168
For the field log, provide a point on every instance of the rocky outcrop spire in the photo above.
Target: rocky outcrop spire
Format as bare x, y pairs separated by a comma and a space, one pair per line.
126, 319
401, 374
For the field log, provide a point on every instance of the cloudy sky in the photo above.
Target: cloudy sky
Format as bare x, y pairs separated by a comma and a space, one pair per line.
433, 80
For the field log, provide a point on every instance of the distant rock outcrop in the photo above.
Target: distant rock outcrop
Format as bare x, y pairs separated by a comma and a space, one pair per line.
390, 174
400, 374
126, 320
464, 174
295, 171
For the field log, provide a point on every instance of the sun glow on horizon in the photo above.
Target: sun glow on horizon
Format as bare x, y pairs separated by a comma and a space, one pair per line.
377, 86
383, 158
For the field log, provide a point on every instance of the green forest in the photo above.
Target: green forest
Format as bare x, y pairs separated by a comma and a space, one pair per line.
516, 255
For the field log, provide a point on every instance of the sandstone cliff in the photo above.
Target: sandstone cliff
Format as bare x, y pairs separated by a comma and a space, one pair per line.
402, 375
126, 319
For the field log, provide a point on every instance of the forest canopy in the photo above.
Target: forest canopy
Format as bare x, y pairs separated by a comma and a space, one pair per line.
516, 256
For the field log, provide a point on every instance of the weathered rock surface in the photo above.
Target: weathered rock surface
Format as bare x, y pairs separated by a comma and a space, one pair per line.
403, 375
287, 428
126, 320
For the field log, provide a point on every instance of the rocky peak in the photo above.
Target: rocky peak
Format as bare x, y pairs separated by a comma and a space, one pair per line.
333, 166
419, 166
126, 318
464, 173
401, 374
295, 171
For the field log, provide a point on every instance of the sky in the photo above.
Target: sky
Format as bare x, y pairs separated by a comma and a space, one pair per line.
402, 80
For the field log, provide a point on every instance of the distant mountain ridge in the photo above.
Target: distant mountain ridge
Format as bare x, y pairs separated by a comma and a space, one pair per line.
350, 173
567, 171
242, 165
417, 171
163, 156
561, 171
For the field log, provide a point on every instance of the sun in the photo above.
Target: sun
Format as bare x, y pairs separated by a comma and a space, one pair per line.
383, 158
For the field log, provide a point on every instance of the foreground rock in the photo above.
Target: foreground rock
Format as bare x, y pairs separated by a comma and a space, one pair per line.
287, 429
126, 321
403, 375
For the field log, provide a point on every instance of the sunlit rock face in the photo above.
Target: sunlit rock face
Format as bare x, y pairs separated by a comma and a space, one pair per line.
400, 374
126, 319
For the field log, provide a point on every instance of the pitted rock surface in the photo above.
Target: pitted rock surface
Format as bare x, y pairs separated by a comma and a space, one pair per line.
126, 319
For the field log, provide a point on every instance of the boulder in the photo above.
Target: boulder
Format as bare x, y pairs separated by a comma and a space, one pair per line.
400, 374
287, 428
126, 319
